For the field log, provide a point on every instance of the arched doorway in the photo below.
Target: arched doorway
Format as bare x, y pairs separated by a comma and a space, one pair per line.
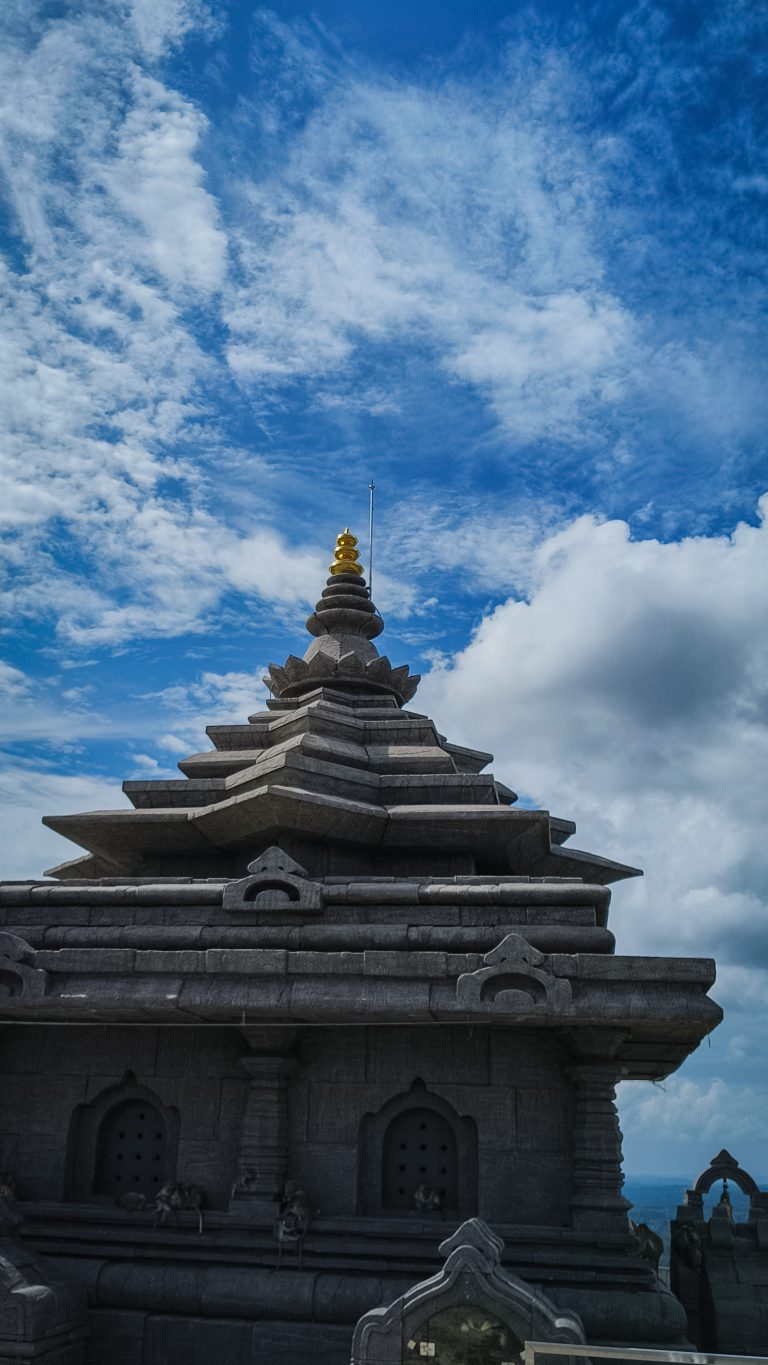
131, 1150
419, 1148
417, 1138
124, 1139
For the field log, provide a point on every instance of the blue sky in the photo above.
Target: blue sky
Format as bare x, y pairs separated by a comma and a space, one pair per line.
512, 263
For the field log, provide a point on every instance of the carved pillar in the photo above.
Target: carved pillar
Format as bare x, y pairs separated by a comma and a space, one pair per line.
597, 1201
263, 1149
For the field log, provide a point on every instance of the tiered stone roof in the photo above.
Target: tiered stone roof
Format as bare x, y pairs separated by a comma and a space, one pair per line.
336, 859
340, 770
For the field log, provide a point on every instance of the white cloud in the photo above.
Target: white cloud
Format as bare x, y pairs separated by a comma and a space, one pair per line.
156, 179
460, 221
161, 24
213, 698
32, 788
715, 1112
463, 218
40, 711
231, 696
27, 793
627, 689
100, 369
173, 744
545, 358
14, 685
481, 542
496, 225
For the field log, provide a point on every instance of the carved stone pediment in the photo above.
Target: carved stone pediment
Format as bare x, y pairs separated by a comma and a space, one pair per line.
514, 978
277, 884
43, 1315
472, 1300
18, 974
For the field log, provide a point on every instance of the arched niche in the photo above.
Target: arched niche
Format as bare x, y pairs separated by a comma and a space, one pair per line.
417, 1138
125, 1140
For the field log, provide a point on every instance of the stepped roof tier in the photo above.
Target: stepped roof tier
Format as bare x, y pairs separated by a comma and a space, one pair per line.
337, 773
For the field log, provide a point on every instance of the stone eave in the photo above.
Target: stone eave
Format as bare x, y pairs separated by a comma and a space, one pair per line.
462, 889
467, 760
123, 837
658, 1022
320, 714
388, 759
459, 914
572, 862
513, 837
300, 765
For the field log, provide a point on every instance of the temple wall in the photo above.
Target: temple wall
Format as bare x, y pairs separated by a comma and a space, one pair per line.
47, 1071
504, 1088
508, 1082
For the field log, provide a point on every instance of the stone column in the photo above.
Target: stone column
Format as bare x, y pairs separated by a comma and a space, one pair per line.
597, 1201
263, 1149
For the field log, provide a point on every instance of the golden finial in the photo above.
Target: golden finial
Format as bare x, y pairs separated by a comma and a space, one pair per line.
346, 556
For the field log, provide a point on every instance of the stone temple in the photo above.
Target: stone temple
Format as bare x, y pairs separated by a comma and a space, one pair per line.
333, 966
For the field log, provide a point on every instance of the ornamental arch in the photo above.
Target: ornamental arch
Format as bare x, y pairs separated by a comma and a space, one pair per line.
125, 1140
417, 1138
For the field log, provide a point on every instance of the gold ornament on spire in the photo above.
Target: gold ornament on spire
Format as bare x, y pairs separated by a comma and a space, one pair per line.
346, 555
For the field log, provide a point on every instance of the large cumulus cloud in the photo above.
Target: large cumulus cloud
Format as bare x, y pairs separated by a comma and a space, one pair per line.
627, 687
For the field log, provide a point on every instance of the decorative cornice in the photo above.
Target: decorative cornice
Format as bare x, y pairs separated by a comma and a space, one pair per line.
376, 674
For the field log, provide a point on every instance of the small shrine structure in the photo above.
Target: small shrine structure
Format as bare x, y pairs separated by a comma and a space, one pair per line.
331, 984
719, 1266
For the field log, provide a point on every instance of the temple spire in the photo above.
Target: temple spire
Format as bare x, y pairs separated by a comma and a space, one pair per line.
344, 624
346, 556
345, 607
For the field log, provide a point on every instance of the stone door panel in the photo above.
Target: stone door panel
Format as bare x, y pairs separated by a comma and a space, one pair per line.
419, 1148
131, 1152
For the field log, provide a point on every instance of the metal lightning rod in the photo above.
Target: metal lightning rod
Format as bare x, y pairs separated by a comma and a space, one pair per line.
371, 490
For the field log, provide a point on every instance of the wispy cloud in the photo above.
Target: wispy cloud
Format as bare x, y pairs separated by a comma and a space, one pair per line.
460, 222
47, 763
212, 698
715, 1112
30, 791
347, 234
103, 369
156, 179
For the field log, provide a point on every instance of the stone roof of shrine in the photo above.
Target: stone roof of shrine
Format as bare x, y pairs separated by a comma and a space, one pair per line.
336, 860
334, 760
